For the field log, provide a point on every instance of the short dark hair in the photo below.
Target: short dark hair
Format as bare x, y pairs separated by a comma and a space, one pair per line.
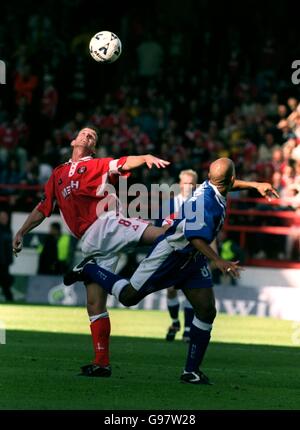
95, 129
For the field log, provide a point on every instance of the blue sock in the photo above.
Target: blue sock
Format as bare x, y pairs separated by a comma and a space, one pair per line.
188, 317
199, 340
101, 276
173, 308
173, 311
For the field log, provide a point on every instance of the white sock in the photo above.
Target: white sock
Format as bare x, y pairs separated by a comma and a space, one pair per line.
173, 302
201, 324
94, 318
118, 287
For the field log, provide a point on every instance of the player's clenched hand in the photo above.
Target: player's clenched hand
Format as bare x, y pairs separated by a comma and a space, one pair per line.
17, 244
266, 190
158, 162
230, 267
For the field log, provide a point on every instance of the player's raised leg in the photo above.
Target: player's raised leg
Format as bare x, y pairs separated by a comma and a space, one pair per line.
151, 233
110, 283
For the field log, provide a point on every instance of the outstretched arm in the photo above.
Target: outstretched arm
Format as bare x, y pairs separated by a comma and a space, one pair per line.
32, 221
264, 188
230, 267
134, 161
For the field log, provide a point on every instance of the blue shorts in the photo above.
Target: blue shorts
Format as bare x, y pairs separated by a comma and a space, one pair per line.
164, 268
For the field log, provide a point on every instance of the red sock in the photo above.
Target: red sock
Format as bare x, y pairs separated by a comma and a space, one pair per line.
100, 333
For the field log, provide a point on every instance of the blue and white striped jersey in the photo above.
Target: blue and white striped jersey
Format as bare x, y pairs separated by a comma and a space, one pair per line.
201, 216
173, 260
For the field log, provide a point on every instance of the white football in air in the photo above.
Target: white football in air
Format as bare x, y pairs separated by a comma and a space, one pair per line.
105, 47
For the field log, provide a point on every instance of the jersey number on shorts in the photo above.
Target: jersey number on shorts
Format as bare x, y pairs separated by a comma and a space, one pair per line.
127, 223
204, 272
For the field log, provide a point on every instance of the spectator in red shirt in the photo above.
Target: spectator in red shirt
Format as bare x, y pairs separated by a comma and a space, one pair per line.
25, 84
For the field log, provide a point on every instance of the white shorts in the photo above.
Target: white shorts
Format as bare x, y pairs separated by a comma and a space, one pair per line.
110, 236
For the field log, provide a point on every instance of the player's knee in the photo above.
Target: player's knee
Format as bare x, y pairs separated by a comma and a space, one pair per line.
171, 293
128, 297
96, 307
128, 301
206, 313
91, 301
95, 304
211, 313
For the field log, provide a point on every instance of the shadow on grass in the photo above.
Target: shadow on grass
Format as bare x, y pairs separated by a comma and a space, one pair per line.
39, 370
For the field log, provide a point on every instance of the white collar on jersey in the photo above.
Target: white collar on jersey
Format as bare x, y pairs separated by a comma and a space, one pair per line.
221, 197
81, 159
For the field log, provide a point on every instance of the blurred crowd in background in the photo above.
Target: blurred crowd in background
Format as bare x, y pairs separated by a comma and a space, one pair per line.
185, 88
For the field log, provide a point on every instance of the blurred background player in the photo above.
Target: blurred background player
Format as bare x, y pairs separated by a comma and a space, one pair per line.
78, 189
229, 250
56, 253
6, 255
187, 182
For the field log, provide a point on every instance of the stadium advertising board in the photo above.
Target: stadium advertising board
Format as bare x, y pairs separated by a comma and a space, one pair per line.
276, 302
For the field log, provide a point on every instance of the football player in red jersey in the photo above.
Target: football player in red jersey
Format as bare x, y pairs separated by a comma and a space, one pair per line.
78, 187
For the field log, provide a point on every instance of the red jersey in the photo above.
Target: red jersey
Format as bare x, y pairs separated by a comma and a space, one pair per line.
75, 188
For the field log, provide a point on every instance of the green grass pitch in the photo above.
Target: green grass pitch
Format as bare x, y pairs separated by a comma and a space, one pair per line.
252, 362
